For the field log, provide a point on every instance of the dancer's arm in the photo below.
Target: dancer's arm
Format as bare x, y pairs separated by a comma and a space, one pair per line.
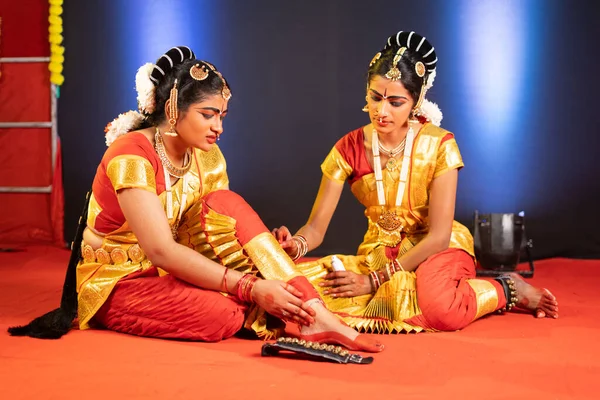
146, 217
442, 199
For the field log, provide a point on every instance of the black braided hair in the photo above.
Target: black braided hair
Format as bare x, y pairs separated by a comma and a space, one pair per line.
176, 64
56, 323
418, 49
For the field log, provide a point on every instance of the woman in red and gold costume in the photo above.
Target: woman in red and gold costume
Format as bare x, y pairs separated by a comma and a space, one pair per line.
166, 249
415, 268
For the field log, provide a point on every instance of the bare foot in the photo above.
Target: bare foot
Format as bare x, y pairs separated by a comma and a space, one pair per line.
329, 329
540, 301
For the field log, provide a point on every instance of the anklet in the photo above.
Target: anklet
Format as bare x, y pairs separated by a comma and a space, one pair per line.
510, 292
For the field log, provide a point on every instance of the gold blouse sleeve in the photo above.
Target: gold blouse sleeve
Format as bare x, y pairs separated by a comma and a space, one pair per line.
131, 171
448, 157
335, 167
213, 170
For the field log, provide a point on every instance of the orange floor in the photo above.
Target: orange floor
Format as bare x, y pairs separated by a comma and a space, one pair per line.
499, 357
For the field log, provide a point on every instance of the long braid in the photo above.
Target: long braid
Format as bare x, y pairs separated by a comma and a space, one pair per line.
56, 323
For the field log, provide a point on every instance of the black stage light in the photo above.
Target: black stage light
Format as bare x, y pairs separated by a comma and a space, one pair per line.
500, 241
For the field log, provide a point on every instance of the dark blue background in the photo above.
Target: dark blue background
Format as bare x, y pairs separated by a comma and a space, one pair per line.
517, 83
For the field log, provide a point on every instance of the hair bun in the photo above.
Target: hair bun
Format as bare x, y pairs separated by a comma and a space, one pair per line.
166, 62
417, 43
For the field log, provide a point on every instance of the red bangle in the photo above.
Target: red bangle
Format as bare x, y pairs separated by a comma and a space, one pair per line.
224, 286
245, 286
375, 280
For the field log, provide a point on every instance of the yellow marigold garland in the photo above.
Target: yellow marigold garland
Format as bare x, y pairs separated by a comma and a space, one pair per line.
57, 51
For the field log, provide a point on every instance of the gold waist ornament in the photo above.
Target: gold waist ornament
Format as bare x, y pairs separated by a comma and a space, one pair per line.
118, 255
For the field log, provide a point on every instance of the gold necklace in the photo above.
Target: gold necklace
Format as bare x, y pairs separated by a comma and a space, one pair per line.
177, 172
389, 220
392, 162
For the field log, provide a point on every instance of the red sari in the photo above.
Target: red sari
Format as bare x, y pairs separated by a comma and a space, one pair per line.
120, 289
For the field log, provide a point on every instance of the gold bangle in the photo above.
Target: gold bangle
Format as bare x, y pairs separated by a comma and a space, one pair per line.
302, 245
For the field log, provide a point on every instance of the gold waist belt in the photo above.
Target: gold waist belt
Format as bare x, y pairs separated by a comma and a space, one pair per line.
117, 255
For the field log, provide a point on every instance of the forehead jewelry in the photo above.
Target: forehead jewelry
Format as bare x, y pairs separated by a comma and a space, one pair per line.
225, 92
394, 73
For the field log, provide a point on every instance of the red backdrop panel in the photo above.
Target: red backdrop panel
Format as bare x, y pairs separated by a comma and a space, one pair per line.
25, 92
24, 28
33, 218
25, 157
25, 153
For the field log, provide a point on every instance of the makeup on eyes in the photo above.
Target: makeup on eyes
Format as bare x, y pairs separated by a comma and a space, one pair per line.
210, 112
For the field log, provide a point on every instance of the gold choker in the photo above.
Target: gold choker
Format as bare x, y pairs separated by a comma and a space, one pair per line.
177, 172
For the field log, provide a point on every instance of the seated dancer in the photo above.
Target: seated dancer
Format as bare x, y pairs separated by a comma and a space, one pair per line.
166, 250
415, 269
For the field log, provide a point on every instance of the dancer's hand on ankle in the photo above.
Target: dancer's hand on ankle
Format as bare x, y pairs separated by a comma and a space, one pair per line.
283, 301
284, 237
346, 284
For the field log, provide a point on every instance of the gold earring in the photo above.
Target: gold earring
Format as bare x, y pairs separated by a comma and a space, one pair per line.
366, 107
173, 111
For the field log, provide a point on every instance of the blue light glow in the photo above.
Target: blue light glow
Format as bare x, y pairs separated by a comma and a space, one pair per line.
493, 42
496, 69
150, 28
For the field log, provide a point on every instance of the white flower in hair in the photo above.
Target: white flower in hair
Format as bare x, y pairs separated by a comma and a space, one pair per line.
124, 123
430, 80
431, 112
145, 89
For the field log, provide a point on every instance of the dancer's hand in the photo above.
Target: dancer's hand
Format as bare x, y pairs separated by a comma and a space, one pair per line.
284, 237
346, 284
283, 301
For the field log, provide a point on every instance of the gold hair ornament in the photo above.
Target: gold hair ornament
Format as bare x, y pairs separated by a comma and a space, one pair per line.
199, 73
225, 92
375, 58
420, 69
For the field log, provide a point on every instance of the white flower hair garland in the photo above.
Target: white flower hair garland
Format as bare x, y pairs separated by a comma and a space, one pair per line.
131, 120
431, 112
430, 80
145, 89
124, 123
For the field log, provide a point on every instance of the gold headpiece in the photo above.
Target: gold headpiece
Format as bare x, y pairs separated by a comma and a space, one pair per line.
201, 73
375, 58
225, 92
198, 73
420, 69
394, 73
